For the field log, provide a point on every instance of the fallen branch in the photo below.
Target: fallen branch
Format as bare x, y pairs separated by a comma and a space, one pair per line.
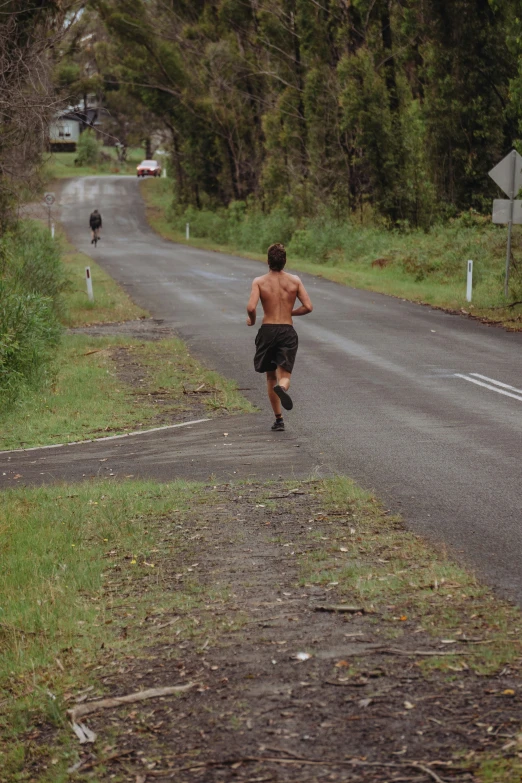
397, 651
422, 767
95, 762
373, 650
341, 608
117, 701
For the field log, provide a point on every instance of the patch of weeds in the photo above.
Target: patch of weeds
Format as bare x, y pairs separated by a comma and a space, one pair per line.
67, 550
172, 368
495, 770
386, 568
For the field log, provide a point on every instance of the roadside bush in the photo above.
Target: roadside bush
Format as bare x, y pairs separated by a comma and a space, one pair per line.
87, 150
32, 280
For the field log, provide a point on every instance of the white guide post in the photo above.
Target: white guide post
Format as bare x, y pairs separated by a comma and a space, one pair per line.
88, 279
187, 231
470, 281
52, 230
164, 171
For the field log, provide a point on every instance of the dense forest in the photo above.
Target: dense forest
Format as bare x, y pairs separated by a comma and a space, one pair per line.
397, 106
403, 105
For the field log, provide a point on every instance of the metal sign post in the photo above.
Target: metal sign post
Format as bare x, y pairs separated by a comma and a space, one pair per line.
49, 199
508, 176
511, 195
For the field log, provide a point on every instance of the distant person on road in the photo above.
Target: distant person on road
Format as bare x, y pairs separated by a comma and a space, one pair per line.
276, 340
95, 222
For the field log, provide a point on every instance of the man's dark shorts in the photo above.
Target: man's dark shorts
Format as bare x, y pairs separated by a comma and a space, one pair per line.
276, 346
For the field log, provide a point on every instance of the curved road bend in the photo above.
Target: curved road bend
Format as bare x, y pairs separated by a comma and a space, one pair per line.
422, 406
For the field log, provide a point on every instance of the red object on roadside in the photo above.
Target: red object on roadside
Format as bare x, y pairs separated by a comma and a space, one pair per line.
148, 168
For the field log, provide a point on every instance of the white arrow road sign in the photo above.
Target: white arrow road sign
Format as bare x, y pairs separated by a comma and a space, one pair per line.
501, 213
502, 174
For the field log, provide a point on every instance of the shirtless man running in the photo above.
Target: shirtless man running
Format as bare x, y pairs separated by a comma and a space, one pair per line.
276, 340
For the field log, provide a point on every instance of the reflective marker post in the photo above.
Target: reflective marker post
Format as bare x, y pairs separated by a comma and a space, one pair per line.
187, 231
470, 281
52, 230
88, 278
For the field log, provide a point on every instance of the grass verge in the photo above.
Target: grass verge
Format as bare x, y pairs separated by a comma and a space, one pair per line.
61, 165
111, 385
71, 554
115, 561
384, 568
428, 268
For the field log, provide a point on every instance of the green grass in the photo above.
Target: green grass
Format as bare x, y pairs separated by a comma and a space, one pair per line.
66, 550
88, 400
61, 164
423, 267
383, 567
111, 303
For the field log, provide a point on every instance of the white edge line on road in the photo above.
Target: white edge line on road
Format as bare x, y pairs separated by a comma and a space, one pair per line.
488, 386
497, 383
101, 440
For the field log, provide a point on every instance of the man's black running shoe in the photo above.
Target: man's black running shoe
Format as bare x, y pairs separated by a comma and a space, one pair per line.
278, 425
286, 400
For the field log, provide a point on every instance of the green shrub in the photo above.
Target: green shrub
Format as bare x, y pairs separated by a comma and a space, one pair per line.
87, 149
29, 332
32, 280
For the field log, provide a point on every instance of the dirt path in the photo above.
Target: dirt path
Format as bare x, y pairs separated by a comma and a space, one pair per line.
363, 707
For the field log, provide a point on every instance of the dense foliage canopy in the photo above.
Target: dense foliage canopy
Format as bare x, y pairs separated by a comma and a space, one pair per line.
403, 104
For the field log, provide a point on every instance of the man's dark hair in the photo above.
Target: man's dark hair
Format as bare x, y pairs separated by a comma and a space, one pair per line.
276, 257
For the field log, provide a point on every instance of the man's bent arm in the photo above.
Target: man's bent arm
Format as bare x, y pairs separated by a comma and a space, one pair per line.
306, 303
252, 304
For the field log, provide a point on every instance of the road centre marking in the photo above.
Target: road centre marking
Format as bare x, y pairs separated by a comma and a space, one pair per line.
108, 437
490, 386
497, 383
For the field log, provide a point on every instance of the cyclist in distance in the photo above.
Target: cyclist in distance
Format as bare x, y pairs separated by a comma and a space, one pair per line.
95, 222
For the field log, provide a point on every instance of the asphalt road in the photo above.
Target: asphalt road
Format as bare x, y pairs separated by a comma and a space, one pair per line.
219, 450
421, 406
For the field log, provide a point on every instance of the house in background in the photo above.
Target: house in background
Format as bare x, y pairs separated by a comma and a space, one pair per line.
68, 125
64, 132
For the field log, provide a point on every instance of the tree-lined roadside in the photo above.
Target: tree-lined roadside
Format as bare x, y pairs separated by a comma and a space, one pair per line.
423, 267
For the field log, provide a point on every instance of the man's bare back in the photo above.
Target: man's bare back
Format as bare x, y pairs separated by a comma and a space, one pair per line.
278, 292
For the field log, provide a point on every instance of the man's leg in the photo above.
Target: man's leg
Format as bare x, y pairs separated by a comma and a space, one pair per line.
283, 378
275, 402
281, 388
